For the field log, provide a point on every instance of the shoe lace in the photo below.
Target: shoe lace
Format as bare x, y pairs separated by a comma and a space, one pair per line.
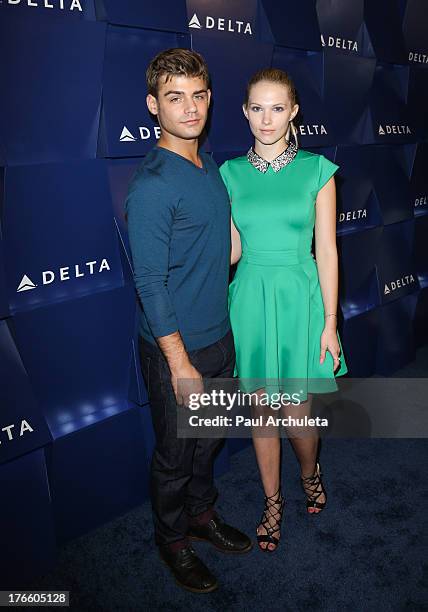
187, 557
272, 513
313, 485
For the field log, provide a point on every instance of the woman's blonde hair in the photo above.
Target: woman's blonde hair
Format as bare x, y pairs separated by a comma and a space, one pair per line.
272, 75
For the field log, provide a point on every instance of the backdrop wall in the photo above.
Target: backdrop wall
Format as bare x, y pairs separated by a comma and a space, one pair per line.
75, 432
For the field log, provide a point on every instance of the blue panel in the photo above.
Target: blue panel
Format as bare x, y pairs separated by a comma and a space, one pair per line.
421, 250
342, 27
224, 155
392, 122
228, 128
358, 206
307, 71
54, 116
347, 98
82, 373
60, 239
166, 15
391, 182
383, 21
4, 305
120, 172
22, 424
293, 24
28, 540
418, 94
66, 10
127, 128
358, 279
105, 468
419, 181
415, 31
396, 268
396, 340
361, 356
224, 19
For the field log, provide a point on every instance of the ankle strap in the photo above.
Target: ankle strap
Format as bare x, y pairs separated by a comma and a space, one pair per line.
278, 495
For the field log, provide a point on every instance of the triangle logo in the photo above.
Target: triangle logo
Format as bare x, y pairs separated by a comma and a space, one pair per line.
195, 23
386, 290
126, 135
26, 284
381, 131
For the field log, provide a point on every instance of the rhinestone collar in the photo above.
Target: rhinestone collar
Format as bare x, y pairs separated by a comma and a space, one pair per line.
279, 162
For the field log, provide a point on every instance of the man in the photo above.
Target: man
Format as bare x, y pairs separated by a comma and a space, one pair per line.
179, 231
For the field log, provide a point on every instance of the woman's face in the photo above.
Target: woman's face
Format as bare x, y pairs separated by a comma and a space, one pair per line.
269, 111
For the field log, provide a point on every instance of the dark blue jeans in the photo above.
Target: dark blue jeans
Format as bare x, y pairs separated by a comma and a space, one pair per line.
181, 482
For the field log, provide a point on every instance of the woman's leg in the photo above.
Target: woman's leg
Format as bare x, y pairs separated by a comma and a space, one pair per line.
267, 446
304, 441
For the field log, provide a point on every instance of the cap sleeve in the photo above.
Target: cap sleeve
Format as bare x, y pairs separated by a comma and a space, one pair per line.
224, 171
326, 170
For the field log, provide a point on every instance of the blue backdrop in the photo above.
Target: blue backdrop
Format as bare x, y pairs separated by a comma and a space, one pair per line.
75, 431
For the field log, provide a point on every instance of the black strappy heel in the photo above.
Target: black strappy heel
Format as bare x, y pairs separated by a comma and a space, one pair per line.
313, 487
270, 511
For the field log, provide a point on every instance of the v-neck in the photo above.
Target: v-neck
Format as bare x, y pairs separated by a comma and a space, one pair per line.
177, 155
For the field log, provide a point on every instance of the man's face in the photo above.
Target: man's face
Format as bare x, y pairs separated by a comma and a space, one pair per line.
181, 106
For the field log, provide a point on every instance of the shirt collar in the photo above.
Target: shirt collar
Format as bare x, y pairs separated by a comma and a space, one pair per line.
279, 162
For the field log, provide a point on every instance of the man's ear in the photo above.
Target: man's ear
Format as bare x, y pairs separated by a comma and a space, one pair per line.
244, 110
152, 104
209, 96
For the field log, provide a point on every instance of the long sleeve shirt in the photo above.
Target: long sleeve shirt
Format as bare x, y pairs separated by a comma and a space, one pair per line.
179, 233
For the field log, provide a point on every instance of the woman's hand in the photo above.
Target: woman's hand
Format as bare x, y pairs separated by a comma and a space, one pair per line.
329, 342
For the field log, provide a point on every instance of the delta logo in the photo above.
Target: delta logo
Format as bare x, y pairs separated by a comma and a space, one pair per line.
23, 426
144, 133
419, 58
221, 24
339, 43
408, 279
315, 129
63, 274
393, 129
62, 5
353, 215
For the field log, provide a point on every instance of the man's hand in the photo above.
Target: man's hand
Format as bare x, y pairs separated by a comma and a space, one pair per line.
185, 380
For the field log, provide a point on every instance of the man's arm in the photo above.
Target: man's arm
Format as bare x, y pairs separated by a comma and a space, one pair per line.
185, 378
150, 213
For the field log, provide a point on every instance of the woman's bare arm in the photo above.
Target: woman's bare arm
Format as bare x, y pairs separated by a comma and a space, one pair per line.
236, 251
327, 262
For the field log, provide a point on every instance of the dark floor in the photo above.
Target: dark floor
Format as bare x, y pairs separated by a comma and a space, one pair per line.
364, 552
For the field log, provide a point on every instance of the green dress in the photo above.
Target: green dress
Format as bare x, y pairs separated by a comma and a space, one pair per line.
275, 301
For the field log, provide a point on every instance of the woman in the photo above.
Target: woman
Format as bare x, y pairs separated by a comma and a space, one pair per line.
282, 303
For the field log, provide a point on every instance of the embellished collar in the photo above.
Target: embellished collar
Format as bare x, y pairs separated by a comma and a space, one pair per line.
279, 162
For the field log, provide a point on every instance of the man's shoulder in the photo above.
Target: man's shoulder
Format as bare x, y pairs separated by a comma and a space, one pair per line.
149, 184
151, 173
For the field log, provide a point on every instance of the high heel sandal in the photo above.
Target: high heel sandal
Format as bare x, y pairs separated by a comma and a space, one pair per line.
313, 487
271, 511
